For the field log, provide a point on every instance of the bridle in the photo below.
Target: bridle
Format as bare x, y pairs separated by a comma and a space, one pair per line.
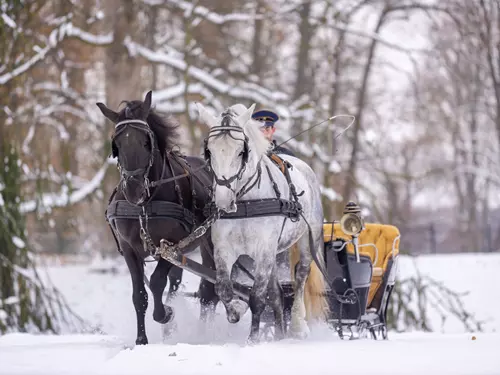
225, 128
125, 174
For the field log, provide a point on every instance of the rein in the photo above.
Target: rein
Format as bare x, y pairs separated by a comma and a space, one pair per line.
125, 174
177, 177
164, 209
290, 209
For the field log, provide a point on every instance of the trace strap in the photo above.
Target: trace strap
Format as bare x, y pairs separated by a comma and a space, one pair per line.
170, 179
167, 248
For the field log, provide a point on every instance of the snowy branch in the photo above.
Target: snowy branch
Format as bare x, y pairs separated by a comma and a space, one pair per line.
56, 36
63, 199
378, 38
205, 13
241, 90
8, 21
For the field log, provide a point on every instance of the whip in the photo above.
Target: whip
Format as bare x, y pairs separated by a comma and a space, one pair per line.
322, 122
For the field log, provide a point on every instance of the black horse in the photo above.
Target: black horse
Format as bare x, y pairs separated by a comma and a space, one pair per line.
148, 204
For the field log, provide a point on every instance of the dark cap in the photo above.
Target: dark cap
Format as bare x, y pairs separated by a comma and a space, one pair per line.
266, 116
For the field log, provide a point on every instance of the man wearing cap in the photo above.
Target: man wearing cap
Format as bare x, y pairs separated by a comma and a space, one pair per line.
268, 119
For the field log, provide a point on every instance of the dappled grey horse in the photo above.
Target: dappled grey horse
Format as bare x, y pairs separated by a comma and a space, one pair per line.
237, 152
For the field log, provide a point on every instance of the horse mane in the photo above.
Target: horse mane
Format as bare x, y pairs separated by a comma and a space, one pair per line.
259, 142
165, 127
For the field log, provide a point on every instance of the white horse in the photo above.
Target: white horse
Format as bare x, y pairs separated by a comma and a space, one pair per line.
237, 152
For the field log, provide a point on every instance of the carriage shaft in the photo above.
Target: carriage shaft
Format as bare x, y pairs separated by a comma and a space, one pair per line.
180, 260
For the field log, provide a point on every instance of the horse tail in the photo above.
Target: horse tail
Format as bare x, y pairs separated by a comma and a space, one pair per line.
314, 299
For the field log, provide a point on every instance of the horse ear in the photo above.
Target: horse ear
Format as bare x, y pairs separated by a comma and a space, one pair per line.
205, 116
146, 105
108, 113
246, 116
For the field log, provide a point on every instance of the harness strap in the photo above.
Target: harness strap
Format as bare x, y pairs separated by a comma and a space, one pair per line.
178, 177
113, 232
189, 173
121, 209
249, 186
168, 250
275, 185
278, 161
176, 185
259, 208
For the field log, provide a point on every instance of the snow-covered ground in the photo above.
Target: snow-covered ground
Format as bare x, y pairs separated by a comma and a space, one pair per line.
104, 300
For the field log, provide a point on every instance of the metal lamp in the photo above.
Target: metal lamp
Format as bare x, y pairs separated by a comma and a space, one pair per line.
352, 224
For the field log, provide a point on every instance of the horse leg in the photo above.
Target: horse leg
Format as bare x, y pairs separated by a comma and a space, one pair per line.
298, 325
175, 278
161, 313
206, 291
275, 298
258, 294
139, 294
223, 284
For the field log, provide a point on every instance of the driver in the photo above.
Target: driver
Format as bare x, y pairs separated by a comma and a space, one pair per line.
268, 119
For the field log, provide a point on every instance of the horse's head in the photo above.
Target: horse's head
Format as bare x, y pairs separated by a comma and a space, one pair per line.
232, 149
134, 144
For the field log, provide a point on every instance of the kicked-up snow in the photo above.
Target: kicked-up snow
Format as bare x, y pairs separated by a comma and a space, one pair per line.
104, 300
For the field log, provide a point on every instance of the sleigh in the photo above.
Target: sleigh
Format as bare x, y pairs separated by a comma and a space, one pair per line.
363, 262
361, 265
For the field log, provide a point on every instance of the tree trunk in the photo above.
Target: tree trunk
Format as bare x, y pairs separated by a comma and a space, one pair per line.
257, 54
351, 171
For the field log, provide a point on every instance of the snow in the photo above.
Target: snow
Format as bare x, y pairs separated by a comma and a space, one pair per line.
11, 301
219, 348
330, 194
62, 199
57, 35
475, 274
68, 29
242, 91
8, 21
405, 354
40, 55
18, 242
216, 18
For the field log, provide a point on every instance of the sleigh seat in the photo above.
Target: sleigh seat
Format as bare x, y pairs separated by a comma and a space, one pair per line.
380, 242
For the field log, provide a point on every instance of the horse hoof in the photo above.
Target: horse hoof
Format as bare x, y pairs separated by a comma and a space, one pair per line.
300, 335
169, 330
141, 340
167, 317
233, 317
253, 340
278, 336
171, 295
